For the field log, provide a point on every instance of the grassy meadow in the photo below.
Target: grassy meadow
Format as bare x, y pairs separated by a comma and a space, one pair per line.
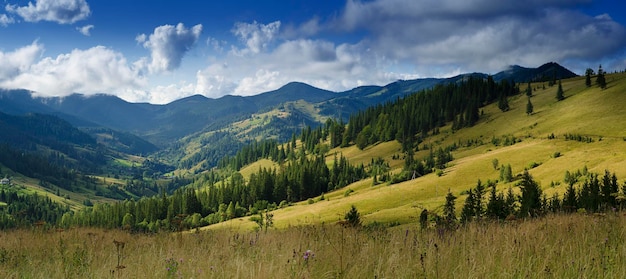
556, 246
590, 112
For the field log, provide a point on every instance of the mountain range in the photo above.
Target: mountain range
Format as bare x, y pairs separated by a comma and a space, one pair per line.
142, 128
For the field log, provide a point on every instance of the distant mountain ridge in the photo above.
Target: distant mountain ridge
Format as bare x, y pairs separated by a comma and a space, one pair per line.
545, 72
166, 124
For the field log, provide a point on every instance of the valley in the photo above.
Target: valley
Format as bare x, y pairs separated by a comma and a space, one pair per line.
128, 200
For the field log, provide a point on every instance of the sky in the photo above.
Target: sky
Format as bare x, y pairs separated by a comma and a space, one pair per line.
160, 51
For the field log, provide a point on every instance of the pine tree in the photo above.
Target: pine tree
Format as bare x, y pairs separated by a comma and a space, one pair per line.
588, 74
424, 219
449, 214
353, 217
496, 208
529, 107
467, 212
230, 211
600, 80
529, 90
559, 92
509, 202
570, 202
530, 200
506, 174
479, 192
503, 103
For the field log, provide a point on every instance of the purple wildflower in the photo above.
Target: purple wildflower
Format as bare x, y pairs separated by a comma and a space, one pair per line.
308, 254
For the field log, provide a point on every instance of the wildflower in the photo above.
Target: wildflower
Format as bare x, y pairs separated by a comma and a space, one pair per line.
308, 254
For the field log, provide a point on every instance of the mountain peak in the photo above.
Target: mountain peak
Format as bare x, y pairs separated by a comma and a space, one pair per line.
547, 71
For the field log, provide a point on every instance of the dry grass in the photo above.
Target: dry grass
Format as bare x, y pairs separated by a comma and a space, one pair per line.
561, 246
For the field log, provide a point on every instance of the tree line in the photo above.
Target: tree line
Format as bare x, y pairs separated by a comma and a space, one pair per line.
585, 192
218, 198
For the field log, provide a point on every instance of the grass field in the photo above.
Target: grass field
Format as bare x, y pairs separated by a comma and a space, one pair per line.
591, 112
556, 246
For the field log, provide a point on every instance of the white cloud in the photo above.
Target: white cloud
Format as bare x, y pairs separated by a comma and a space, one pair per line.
60, 11
6, 20
95, 70
317, 62
168, 44
164, 94
85, 30
16, 62
481, 35
215, 81
255, 36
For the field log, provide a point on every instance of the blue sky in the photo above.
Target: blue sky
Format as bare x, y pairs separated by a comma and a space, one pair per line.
160, 51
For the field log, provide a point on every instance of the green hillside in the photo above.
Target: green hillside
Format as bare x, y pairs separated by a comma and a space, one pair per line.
536, 142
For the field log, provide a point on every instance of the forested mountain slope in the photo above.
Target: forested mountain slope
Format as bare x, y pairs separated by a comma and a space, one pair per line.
559, 143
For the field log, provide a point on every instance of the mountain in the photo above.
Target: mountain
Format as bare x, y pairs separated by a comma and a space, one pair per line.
51, 137
546, 72
291, 92
274, 114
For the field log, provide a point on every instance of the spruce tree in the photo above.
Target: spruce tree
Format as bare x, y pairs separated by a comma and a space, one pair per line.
449, 214
424, 219
503, 103
529, 107
353, 217
530, 200
559, 92
588, 74
510, 202
600, 80
496, 208
570, 202
529, 90
479, 192
467, 212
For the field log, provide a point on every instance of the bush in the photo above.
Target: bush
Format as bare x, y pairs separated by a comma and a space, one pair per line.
533, 165
439, 172
347, 192
283, 203
400, 177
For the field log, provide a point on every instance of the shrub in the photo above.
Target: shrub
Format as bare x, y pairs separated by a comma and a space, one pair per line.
347, 192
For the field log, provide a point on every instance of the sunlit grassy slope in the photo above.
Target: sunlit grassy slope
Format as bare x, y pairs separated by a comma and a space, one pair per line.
591, 112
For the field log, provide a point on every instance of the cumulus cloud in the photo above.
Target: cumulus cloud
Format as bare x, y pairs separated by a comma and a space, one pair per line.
60, 11
18, 61
6, 20
256, 36
481, 35
168, 44
95, 70
215, 81
320, 63
85, 30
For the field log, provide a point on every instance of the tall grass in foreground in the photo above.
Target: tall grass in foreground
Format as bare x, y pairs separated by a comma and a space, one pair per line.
556, 246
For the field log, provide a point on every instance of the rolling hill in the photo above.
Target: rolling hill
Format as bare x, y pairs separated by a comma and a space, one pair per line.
584, 132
